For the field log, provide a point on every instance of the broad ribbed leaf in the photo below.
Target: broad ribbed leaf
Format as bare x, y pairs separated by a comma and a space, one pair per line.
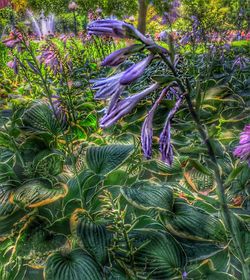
105, 159
41, 118
48, 163
6, 208
35, 244
37, 193
7, 223
199, 181
199, 250
207, 271
94, 237
76, 265
194, 223
160, 256
146, 195
6, 173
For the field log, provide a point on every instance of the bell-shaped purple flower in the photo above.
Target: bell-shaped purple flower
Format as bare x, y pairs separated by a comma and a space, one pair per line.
106, 87
135, 71
124, 107
113, 28
116, 28
147, 128
117, 57
166, 147
13, 64
243, 149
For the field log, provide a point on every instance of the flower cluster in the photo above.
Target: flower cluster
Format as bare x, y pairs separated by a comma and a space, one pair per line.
243, 149
51, 59
111, 88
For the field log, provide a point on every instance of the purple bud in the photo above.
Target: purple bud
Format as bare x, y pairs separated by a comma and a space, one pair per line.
135, 71
243, 149
166, 147
117, 57
124, 107
147, 128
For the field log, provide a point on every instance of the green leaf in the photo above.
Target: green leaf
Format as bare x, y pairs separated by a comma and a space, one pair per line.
102, 160
207, 271
75, 265
194, 223
146, 195
199, 250
6, 208
37, 193
48, 163
159, 255
40, 118
35, 243
93, 236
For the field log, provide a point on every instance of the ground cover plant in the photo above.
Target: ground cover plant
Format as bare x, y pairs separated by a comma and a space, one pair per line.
125, 151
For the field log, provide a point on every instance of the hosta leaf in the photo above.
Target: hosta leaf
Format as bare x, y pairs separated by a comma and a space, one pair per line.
48, 163
40, 118
105, 159
6, 173
159, 167
7, 223
6, 207
145, 195
35, 244
75, 265
159, 255
94, 237
199, 250
199, 181
37, 193
207, 271
5, 140
194, 223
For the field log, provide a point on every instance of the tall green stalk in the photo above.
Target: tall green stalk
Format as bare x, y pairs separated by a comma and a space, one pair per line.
220, 189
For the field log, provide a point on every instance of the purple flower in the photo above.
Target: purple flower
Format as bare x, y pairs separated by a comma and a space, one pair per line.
124, 107
135, 71
116, 28
107, 87
117, 57
243, 149
166, 147
51, 60
14, 40
147, 128
113, 28
14, 65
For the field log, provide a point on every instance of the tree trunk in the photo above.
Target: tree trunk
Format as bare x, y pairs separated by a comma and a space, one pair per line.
142, 15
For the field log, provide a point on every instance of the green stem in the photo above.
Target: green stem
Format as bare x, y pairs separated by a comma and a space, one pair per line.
220, 189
